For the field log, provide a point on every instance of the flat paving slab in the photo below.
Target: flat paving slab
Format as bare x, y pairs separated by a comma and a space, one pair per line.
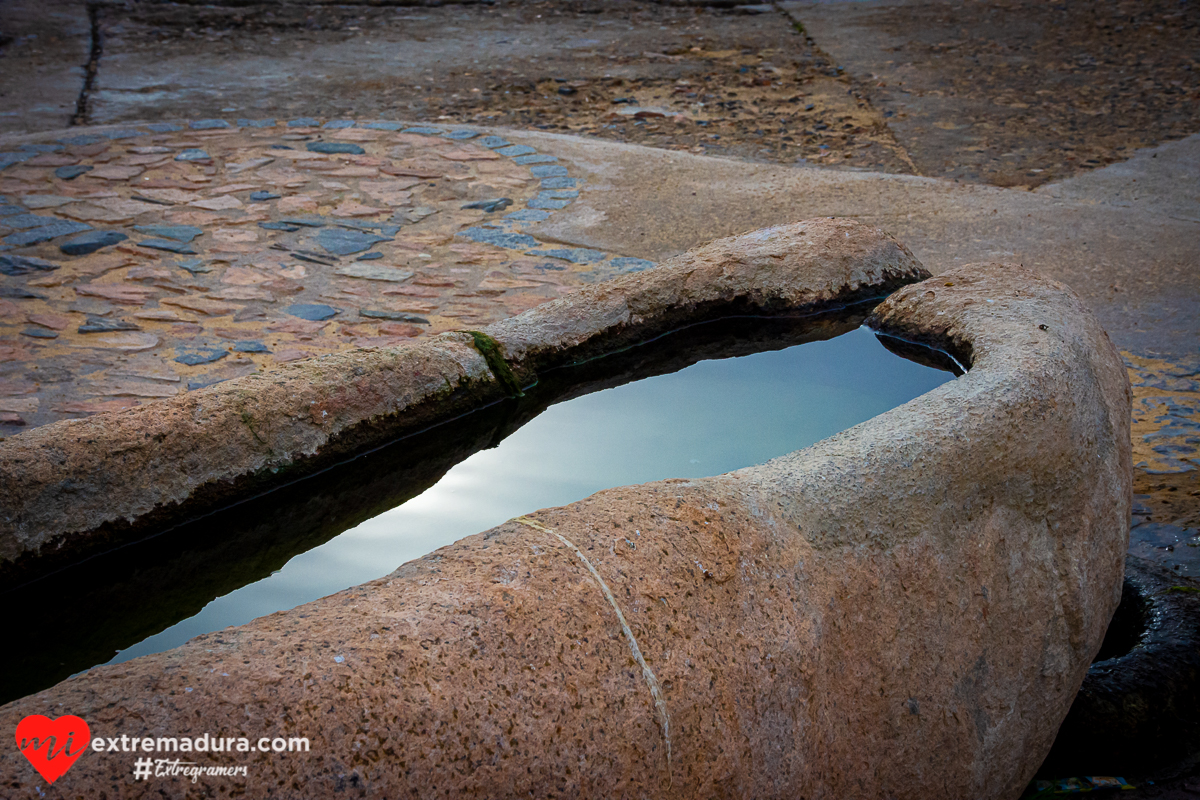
45, 47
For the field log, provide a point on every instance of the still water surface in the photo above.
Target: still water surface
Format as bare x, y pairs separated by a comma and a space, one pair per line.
709, 418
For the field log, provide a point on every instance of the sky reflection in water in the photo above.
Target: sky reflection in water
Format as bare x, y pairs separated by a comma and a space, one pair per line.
712, 417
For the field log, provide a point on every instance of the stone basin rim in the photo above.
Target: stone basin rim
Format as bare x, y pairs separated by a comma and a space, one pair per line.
1005, 550
863, 307
67, 495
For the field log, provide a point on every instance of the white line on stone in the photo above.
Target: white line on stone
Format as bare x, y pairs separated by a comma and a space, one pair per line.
647, 673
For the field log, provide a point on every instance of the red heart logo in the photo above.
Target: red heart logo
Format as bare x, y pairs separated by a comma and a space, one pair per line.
52, 745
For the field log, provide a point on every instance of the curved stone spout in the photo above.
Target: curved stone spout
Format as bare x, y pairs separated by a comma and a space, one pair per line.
903, 610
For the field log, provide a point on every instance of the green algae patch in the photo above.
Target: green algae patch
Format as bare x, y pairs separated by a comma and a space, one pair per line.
490, 350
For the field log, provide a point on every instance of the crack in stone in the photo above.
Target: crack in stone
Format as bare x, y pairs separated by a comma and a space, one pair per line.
651, 681
90, 68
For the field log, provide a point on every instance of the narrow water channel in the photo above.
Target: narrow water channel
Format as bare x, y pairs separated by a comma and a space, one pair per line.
709, 418
351, 525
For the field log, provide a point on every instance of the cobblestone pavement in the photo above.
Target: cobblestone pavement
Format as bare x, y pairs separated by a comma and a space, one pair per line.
145, 261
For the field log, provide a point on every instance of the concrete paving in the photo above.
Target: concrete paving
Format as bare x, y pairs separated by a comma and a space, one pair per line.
43, 63
1090, 233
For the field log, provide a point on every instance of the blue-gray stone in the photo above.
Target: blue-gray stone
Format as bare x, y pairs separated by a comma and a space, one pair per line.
384, 126
576, 255
558, 183
385, 228
335, 147
307, 222
194, 266
495, 204
256, 123
39, 333
540, 202
27, 220
461, 134
164, 127
262, 197
19, 292
630, 264
91, 242
338, 124
528, 215
558, 194
9, 208
303, 122
250, 347
278, 226
493, 142
343, 242
23, 265
208, 124
8, 159
515, 150
57, 228
193, 154
180, 233
126, 133
102, 325
281, 147
92, 306
540, 158
314, 312
82, 140
70, 173
201, 355
549, 171
369, 257
513, 241
424, 131
168, 245
395, 316
40, 148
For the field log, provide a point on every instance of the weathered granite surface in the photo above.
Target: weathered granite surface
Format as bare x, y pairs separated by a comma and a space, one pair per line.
903, 610
74, 487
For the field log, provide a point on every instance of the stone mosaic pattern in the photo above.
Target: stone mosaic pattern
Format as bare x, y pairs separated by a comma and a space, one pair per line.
141, 262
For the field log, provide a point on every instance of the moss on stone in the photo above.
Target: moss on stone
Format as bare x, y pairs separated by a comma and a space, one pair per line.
490, 350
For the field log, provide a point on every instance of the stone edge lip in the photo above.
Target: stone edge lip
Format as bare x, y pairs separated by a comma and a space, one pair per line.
1031, 446
76, 487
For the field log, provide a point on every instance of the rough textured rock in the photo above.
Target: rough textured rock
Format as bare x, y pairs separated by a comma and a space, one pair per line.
903, 610
76, 486
1139, 708
72, 488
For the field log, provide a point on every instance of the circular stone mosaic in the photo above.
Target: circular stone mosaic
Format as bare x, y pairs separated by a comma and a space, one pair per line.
143, 262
